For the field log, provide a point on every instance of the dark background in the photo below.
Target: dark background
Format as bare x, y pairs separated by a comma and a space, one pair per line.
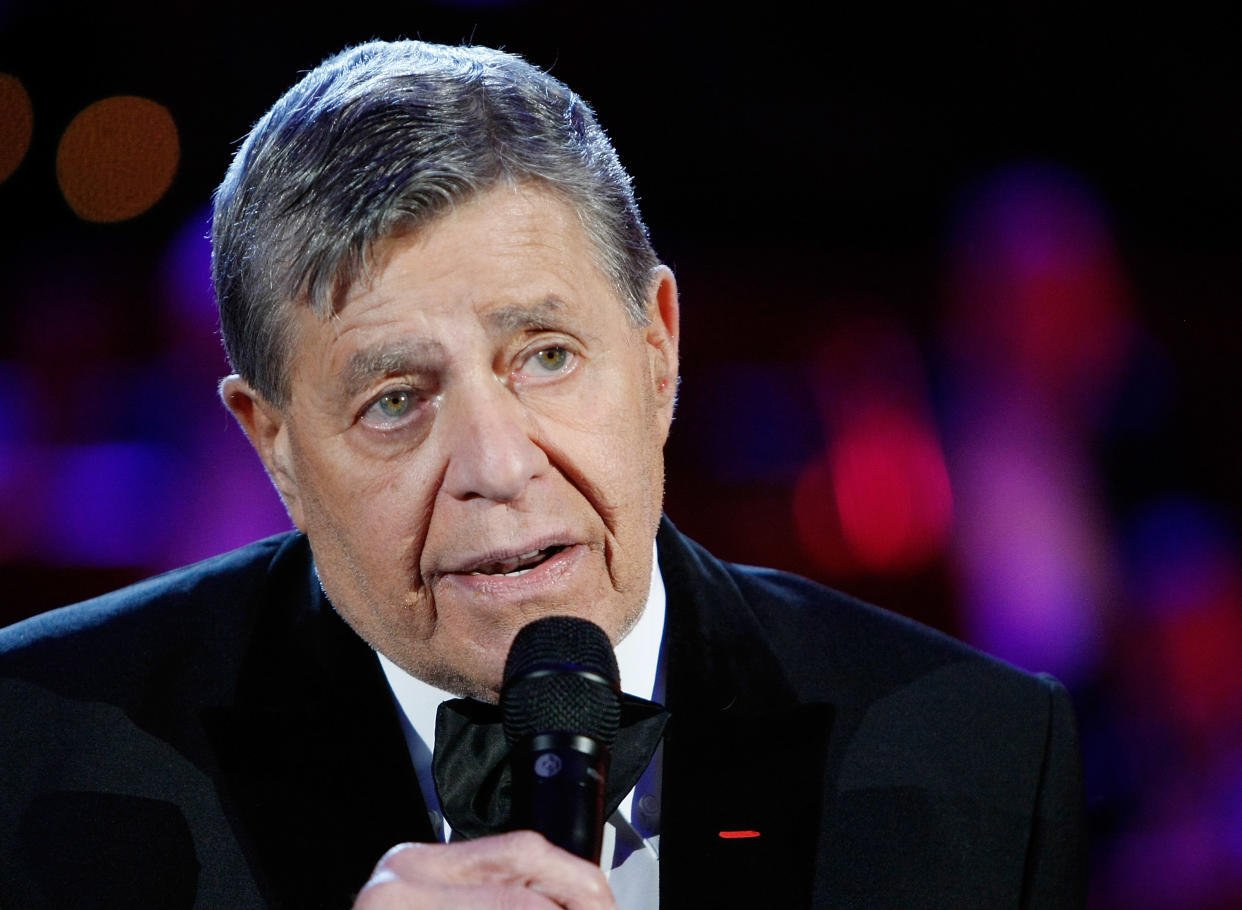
960, 333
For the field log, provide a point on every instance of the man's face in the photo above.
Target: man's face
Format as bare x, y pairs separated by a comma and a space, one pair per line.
476, 440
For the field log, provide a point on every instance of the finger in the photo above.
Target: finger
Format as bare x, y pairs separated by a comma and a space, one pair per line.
387, 891
521, 859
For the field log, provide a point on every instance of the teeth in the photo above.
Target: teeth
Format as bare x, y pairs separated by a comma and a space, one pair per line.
509, 568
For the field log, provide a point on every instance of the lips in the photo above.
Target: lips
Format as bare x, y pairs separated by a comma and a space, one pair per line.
537, 569
515, 566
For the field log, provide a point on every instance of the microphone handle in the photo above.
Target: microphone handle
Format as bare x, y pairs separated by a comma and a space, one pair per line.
558, 790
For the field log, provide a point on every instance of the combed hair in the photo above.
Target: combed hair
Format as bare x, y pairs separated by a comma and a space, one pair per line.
381, 139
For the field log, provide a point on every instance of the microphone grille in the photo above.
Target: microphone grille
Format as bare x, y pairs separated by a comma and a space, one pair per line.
561, 676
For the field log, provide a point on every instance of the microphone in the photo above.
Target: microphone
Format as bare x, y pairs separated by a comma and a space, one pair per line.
560, 702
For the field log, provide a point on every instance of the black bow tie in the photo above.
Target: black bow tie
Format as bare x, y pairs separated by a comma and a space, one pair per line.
471, 762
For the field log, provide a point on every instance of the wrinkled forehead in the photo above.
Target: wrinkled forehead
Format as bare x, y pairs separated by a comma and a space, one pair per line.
564, 214
512, 262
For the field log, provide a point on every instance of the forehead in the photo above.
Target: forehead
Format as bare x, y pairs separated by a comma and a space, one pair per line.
510, 260
495, 243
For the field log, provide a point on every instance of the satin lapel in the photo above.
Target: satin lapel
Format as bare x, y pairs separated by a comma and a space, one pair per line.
744, 760
316, 775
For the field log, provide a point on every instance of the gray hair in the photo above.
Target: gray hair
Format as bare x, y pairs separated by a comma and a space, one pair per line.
384, 138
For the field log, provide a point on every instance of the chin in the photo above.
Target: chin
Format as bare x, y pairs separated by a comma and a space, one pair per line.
463, 684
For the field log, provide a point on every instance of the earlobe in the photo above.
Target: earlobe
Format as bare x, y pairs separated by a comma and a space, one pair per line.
265, 425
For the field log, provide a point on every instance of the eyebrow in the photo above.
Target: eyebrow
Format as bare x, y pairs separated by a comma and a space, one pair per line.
519, 318
406, 357
394, 359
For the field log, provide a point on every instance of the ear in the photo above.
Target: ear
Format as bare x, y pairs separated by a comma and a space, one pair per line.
664, 313
267, 427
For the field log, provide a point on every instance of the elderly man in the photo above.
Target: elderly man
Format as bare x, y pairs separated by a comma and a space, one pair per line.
456, 355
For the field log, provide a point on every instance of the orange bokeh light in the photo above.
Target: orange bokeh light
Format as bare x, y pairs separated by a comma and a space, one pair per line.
17, 116
117, 158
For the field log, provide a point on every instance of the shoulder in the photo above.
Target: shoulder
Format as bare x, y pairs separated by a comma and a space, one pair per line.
171, 619
903, 689
941, 764
861, 642
834, 646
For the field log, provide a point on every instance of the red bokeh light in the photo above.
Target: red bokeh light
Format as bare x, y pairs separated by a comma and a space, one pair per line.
879, 499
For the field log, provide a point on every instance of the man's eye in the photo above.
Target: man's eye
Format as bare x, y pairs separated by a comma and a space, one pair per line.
392, 405
550, 360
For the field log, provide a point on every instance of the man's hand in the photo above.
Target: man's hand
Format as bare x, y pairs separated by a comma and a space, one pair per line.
511, 871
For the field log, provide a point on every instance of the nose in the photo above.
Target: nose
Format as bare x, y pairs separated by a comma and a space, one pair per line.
491, 450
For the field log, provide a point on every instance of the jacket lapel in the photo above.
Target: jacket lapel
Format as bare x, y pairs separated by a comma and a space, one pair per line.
744, 760
316, 775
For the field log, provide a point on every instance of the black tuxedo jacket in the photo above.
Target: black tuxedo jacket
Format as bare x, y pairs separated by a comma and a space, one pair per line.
218, 737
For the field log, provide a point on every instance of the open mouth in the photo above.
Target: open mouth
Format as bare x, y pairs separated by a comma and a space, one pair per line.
518, 565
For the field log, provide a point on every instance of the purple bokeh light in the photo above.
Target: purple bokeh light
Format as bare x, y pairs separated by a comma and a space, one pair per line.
1037, 330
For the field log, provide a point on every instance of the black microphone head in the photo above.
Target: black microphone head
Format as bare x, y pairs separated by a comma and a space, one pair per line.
561, 676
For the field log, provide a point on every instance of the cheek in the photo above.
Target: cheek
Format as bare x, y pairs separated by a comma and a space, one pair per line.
375, 511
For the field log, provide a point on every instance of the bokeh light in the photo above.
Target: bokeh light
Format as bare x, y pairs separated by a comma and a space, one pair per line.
762, 424
1038, 332
107, 503
185, 281
1031, 556
117, 158
17, 118
879, 500
1037, 293
1187, 588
